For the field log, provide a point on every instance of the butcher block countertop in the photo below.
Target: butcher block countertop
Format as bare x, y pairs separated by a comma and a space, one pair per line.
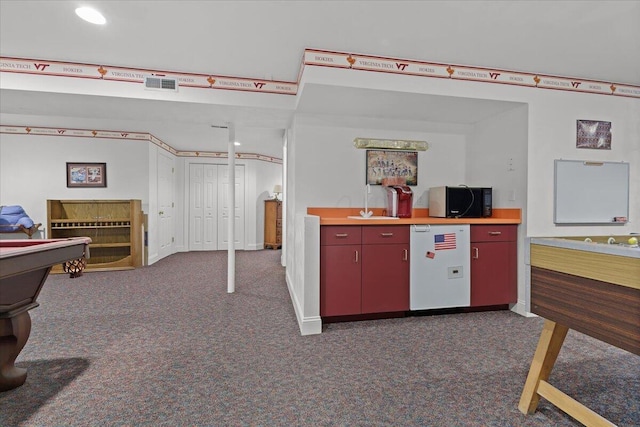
340, 216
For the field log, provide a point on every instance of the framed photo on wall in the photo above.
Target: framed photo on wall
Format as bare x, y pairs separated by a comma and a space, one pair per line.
86, 175
593, 134
383, 164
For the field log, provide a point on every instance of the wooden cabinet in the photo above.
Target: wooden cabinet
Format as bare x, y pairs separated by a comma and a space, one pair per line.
114, 226
363, 269
385, 269
493, 265
340, 270
272, 224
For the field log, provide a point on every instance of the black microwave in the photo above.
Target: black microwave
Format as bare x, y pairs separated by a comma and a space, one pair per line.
460, 202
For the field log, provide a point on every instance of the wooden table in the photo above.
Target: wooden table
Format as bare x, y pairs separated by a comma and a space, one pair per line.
24, 267
593, 288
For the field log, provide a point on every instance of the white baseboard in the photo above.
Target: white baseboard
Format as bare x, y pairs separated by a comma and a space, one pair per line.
153, 259
520, 309
308, 325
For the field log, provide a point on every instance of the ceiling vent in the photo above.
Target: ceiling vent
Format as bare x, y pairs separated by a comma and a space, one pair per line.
160, 83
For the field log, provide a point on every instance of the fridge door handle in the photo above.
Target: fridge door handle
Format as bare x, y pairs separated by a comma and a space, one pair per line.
421, 228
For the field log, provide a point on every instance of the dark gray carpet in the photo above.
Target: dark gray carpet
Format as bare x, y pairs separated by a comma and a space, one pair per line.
166, 345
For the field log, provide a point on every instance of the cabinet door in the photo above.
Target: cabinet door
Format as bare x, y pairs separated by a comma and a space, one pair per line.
270, 213
494, 233
340, 276
279, 223
340, 235
493, 278
385, 278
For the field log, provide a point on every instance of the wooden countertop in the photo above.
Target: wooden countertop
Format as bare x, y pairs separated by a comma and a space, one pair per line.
340, 216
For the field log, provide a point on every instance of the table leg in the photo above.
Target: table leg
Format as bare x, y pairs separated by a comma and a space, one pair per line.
551, 339
14, 333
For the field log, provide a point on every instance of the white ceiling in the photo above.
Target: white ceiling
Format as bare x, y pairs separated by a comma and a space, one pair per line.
597, 40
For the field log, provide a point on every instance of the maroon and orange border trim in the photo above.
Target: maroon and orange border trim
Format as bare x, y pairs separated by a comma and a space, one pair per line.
320, 58
131, 136
325, 58
311, 58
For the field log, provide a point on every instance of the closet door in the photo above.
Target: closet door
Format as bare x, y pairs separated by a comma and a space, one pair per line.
196, 207
210, 237
203, 209
165, 205
225, 211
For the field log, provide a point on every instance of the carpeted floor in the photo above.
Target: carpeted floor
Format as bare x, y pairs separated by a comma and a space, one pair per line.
166, 345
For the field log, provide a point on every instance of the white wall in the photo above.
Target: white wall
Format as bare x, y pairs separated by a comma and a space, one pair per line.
552, 135
324, 170
33, 169
544, 121
497, 157
331, 172
294, 259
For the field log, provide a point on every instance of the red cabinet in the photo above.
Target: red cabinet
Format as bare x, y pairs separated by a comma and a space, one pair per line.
493, 265
364, 269
340, 278
385, 269
340, 271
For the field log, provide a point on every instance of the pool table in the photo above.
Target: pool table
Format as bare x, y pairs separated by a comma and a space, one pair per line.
590, 286
24, 267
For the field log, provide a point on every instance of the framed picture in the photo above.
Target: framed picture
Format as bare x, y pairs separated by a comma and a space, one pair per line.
393, 164
593, 134
86, 175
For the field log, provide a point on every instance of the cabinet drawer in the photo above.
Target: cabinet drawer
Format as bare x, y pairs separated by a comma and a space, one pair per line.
494, 233
382, 234
340, 235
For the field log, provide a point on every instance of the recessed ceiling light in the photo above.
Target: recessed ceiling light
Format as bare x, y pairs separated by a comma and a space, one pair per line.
236, 143
91, 15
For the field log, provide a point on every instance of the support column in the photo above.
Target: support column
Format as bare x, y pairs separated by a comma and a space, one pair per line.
231, 264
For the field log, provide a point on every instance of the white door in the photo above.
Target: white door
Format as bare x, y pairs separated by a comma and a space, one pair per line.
203, 207
210, 187
196, 207
224, 210
165, 205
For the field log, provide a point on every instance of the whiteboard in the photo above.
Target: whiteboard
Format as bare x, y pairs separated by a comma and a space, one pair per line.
590, 192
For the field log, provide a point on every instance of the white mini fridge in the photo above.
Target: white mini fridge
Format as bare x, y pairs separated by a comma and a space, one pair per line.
440, 266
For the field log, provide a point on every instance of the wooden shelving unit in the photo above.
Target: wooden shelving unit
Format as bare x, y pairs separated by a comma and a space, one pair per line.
272, 224
114, 226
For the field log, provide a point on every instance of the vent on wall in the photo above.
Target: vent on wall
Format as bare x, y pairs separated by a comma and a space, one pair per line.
160, 83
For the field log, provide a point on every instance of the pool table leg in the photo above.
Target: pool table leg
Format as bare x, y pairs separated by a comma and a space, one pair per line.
14, 333
549, 345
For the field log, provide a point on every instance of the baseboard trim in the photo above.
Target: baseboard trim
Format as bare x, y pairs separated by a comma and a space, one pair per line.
520, 309
307, 325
